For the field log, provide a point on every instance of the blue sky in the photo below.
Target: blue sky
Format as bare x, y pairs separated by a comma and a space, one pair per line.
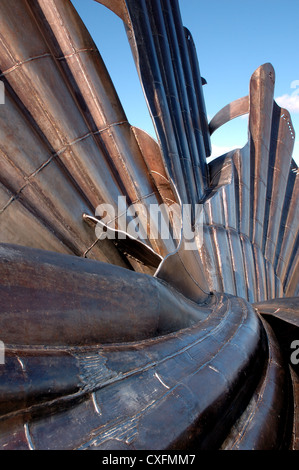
232, 37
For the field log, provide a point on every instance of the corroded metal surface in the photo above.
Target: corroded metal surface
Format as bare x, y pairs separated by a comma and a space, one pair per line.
120, 343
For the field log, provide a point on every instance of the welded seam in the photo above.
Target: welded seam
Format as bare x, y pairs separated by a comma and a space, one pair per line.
57, 154
20, 63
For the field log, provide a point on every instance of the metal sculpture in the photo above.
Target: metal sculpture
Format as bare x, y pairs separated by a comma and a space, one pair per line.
120, 343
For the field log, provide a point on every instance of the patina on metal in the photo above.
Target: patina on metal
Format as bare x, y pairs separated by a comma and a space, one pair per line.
122, 343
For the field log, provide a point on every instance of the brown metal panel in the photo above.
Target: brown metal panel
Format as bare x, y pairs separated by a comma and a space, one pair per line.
270, 279
118, 7
111, 373
23, 388
231, 111
259, 263
283, 308
229, 206
21, 226
151, 152
214, 209
12, 29
159, 46
5, 198
179, 49
291, 286
221, 170
200, 119
242, 180
61, 210
208, 256
14, 435
83, 150
278, 288
282, 315
190, 278
167, 48
279, 169
150, 75
249, 268
56, 432
81, 294
32, 232
260, 120
179, 397
295, 383
219, 207
59, 120
87, 75
237, 263
224, 259
289, 228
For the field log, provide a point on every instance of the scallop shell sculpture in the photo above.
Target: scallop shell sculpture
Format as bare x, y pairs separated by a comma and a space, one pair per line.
120, 343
